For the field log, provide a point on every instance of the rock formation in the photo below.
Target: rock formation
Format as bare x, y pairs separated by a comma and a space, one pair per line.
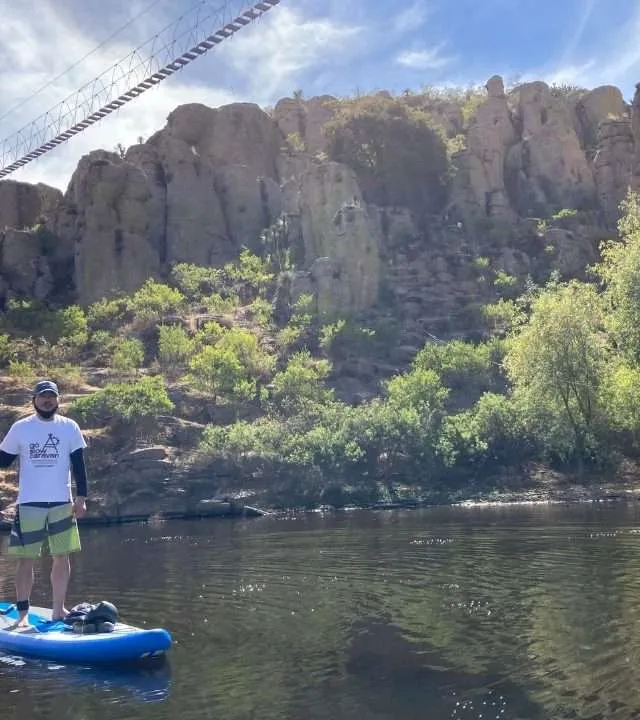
212, 180
479, 189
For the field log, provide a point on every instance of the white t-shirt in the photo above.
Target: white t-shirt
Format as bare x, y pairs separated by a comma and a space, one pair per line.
44, 447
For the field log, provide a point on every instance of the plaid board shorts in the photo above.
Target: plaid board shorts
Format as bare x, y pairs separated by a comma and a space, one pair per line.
33, 524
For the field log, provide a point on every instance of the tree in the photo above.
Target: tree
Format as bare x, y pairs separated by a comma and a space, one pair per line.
468, 370
556, 364
154, 300
128, 356
395, 149
216, 370
134, 406
174, 347
622, 398
620, 273
301, 380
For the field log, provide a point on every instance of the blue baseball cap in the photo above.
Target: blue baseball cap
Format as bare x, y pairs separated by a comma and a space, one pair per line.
45, 386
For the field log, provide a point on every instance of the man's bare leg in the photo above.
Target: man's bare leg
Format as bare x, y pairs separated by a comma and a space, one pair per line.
24, 584
60, 574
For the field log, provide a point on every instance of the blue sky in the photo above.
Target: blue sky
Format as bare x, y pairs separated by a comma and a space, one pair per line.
337, 47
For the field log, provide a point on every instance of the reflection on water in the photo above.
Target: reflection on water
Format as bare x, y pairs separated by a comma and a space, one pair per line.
443, 613
146, 685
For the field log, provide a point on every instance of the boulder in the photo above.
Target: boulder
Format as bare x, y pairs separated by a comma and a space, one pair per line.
250, 204
222, 180
290, 116
236, 134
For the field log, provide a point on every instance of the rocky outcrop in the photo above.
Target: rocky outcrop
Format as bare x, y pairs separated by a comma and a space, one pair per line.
203, 188
635, 129
341, 236
306, 119
106, 214
548, 167
22, 205
613, 166
212, 180
572, 252
197, 192
602, 104
24, 266
479, 185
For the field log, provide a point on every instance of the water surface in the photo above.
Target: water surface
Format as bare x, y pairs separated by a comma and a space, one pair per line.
442, 613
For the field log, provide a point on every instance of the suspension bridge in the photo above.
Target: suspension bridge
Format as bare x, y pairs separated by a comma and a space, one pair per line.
187, 38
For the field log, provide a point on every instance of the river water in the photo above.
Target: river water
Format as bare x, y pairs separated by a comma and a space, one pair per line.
453, 613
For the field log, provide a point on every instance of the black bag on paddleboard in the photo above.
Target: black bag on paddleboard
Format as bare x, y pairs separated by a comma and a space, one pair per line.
97, 618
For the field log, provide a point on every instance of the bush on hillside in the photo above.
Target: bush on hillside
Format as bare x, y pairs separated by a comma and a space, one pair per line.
397, 152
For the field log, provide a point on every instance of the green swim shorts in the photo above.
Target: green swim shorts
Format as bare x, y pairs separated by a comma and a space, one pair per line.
33, 524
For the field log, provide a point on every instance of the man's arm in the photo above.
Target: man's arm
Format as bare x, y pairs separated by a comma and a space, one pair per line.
80, 475
6, 459
79, 472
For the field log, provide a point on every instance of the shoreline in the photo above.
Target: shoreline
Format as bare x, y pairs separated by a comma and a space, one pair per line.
229, 509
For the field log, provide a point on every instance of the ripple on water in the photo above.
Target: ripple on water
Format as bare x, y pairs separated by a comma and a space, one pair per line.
457, 614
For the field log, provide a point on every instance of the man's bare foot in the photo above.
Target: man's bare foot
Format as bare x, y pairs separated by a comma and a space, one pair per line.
56, 617
21, 624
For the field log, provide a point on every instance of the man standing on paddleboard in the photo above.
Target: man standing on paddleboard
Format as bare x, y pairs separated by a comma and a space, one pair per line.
48, 446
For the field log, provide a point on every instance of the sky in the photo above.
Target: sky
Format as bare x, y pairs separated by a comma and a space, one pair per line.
51, 48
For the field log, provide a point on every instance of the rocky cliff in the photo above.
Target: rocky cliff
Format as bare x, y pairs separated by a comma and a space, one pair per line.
213, 180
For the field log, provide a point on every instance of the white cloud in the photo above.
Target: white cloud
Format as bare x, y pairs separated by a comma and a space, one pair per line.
275, 56
42, 46
411, 18
427, 59
140, 118
272, 57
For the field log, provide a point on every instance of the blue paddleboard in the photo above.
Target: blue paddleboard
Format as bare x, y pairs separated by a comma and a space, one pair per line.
56, 641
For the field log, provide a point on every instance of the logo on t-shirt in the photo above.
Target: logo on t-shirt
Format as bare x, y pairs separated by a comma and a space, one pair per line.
45, 455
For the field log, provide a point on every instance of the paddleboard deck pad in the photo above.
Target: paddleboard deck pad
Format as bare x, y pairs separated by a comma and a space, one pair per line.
57, 641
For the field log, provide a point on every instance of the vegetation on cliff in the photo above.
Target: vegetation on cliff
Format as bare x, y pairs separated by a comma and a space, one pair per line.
558, 383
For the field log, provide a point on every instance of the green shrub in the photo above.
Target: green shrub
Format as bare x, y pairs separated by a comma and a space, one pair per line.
250, 276
102, 344
301, 381
107, 314
155, 300
6, 349
128, 356
216, 371
216, 304
197, 282
120, 403
396, 150
73, 326
21, 371
209, 334
260, 311
174, 346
